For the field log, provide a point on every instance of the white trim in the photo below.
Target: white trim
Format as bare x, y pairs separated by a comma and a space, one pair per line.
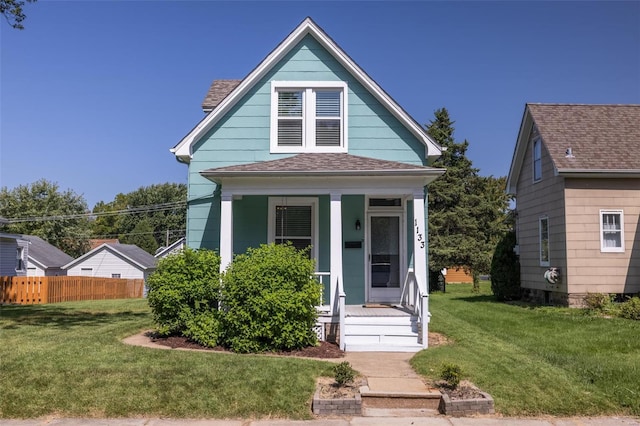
296, 185
604, 249
335, 247
385, 211
308, 116
420, 239
295, 201
226, 230
183, 149
548, 261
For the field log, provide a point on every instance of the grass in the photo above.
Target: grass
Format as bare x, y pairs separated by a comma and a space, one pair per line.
537, 360
67, 359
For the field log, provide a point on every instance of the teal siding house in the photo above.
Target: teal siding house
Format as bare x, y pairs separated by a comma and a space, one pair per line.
309, 149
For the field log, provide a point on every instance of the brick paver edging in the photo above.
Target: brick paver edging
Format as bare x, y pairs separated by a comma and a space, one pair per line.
466, 407
337, 406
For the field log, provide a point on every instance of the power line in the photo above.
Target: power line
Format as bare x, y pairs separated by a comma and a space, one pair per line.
133, 210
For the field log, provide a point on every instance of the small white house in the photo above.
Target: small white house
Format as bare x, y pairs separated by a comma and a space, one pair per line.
175, 247
113, 260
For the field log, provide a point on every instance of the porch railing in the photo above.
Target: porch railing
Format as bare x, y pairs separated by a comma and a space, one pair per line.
416, 298
324, 278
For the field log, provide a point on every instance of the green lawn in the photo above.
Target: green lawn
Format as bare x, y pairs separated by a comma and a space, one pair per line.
67, 359
537, 360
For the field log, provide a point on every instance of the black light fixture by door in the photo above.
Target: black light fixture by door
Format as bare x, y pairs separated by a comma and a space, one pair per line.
357, 224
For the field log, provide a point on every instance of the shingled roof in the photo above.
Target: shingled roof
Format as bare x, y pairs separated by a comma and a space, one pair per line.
46, 254
217, 92
314, 164
601, 137
582, 140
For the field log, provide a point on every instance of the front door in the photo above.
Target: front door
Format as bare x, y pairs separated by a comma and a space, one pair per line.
384, 268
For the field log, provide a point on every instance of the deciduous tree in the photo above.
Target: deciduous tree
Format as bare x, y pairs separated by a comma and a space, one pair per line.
40, 208
13, 13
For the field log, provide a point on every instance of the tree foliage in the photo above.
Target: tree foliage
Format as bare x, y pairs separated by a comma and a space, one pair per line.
49, 210
148, 228
505, 269
13, 12
466, 211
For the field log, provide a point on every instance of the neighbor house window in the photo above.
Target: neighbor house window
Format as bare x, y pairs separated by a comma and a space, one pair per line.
611, 231
544, 241
293, 220
19, 260
86, 272
115, 275
308, 117
537, 159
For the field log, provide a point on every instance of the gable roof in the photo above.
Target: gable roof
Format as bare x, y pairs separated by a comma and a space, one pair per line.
45, 254
314, 164
308, 27
219, 90
163, 251
582, 140
131, 253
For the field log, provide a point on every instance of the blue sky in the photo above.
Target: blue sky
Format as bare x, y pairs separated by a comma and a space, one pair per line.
93, 94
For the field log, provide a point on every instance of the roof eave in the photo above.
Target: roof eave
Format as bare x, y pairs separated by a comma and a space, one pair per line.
599, 173
519, 151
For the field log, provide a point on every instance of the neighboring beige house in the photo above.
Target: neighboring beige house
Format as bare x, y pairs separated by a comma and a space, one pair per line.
576, 177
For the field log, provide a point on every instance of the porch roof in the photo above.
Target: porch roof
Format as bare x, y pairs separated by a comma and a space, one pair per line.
323, 164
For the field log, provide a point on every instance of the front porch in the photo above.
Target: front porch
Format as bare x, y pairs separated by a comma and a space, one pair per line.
366, 229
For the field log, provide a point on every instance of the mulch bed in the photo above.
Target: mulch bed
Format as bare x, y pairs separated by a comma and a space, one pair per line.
323, 350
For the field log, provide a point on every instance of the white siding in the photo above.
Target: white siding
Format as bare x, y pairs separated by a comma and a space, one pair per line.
104, 263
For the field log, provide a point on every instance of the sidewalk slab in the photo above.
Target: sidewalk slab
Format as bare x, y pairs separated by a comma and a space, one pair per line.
400, 421
319, 422
194, 422
492, 421
597, 421
96, 422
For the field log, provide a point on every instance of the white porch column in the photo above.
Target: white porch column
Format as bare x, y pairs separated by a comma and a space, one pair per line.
335, 245
226, 230
420, 240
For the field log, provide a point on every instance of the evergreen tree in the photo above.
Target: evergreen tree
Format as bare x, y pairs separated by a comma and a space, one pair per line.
466, 212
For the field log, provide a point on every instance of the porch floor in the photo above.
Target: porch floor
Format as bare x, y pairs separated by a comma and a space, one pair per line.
377, 311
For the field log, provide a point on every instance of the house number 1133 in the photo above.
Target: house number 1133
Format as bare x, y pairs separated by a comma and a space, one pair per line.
419, 236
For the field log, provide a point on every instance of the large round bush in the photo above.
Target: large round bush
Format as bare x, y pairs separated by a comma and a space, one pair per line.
184, 292
269, 299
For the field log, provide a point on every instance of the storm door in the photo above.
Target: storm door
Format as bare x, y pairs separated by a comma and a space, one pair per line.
384, 266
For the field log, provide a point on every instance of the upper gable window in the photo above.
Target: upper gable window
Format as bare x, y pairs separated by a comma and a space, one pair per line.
308, 116
537, 159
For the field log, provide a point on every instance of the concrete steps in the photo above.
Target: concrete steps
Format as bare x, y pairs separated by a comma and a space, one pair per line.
382, 395
381, 330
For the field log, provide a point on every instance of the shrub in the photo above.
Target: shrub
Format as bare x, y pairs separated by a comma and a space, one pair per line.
184, 292
343, 373
630, 309
505, 269
269, 299
451, 374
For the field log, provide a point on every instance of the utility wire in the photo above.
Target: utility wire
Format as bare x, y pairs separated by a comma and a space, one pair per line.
133, 210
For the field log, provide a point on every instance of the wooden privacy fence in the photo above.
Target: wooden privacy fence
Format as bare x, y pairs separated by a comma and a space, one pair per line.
37, 290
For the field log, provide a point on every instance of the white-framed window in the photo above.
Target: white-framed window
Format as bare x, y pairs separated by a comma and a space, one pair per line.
19, 259
294, 219
308, 116
537, 159
611, 231
543, 228
115, 276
